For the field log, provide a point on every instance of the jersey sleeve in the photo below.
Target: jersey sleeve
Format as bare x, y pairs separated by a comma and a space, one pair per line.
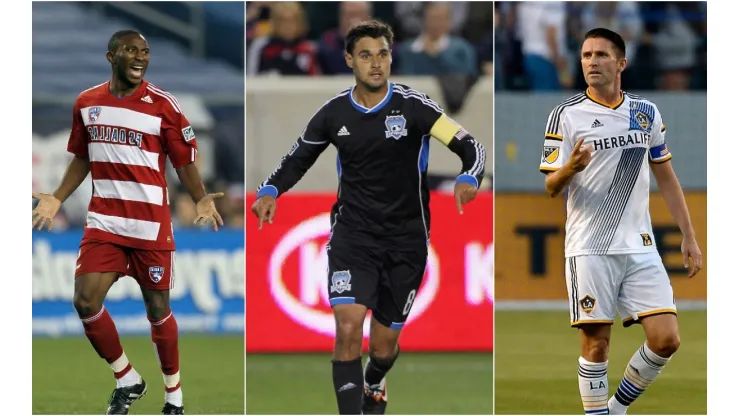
659, 152
558, 143
302, 155
77, 144
426, 112
178, 137
472, 154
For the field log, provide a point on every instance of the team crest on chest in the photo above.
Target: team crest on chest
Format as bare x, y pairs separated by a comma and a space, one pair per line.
395, 126
93, 114
641, 116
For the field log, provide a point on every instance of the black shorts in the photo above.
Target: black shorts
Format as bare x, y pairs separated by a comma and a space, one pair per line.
369, 272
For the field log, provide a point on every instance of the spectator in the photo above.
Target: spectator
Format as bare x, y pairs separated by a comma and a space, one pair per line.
411, 20
331, 45
435, 51
675, 46
286, 51
542, 31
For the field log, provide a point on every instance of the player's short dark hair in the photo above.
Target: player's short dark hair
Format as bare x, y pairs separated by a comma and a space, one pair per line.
116, 38
368, 29
609, 35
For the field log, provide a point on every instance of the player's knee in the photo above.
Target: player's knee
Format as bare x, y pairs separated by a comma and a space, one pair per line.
157, 307
86, 305
383, 351
596, 350
667, 345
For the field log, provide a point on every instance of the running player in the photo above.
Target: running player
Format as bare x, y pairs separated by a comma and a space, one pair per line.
598, 145
380, 222
122, 133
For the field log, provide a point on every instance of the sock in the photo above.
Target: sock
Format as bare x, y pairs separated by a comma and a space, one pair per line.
594, 386
375, 369
348, 381
164, 338
641, 371
102, 334
124, 373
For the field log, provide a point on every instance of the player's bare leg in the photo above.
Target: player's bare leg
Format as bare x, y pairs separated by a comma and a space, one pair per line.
662, 342
384, 350
346, 361
90, 291
164, 337
592, 365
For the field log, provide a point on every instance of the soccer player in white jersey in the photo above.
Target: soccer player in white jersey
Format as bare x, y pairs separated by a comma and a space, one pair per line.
122, 133
598, 146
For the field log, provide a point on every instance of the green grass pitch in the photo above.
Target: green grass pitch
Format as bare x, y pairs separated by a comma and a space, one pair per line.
70, 378
454, 383
537, 357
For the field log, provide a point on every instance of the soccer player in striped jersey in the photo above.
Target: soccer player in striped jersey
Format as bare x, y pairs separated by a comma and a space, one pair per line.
122, 133
380, 222
598, 145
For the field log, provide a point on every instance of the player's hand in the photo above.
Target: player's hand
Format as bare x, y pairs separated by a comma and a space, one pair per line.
45, 211
464, 193
264, 209
205, 210
580, 157
691, 256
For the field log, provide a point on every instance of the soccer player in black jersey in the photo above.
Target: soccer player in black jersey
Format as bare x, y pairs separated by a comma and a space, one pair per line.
380, 223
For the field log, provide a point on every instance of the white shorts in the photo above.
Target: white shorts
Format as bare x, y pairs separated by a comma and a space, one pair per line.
635, 285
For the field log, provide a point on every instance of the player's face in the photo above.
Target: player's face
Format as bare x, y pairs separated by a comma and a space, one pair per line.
600, 62
131, 59
371, 62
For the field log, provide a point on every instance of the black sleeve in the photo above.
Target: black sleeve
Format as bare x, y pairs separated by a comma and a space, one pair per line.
300, 158
426, 112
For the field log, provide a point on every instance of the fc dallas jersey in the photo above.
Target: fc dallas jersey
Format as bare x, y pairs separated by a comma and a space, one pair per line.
127, 141
607, 209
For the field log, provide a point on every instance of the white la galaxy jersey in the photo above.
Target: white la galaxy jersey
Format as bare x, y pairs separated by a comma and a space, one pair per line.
607, 203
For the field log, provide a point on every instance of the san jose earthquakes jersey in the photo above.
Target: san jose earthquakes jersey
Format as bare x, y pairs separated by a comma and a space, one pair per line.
382, 160
607, 203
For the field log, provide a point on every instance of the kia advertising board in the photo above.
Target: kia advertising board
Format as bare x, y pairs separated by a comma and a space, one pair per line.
287, 286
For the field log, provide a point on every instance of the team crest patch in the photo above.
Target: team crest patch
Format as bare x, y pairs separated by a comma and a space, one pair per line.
93, 114
646, 240
188, 134
588, 303
641, 116
156, 273
395, 126
340, 281
550, 154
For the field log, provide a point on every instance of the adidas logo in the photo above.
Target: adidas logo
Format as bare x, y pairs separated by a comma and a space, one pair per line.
348, 385
597, 123
147, 99
343, 131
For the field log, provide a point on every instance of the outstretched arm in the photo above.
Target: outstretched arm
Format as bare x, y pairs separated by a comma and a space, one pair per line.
292, 167
49, 204
472, 154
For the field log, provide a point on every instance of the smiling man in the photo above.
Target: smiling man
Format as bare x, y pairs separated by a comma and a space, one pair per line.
599, 145
380, 223
122, 133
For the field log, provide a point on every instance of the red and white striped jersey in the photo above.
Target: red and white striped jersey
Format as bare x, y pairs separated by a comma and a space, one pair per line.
127, 141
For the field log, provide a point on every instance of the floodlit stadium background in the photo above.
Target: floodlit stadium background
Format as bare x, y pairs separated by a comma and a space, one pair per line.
197, 55
666, 52
288, 311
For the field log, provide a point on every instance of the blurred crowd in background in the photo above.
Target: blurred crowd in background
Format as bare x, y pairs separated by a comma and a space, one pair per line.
538, 43
431, 38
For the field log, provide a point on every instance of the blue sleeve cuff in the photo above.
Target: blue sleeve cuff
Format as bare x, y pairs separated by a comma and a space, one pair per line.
268, 190
467, 179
